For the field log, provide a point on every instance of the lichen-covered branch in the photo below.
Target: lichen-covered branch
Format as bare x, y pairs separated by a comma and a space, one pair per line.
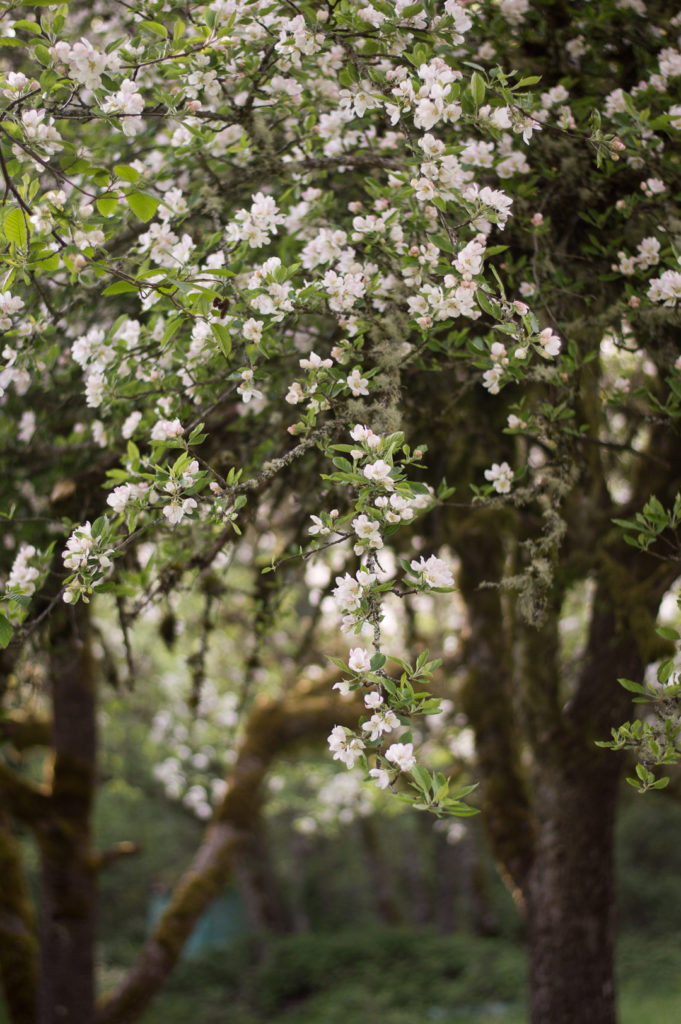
24, 732
274, 726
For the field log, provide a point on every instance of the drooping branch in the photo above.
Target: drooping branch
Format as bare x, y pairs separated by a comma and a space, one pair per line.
23, 732
23, 799
273, 727
103, 858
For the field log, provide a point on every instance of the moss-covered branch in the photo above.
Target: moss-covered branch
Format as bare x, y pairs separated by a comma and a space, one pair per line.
274, 726
24, 733
23, 799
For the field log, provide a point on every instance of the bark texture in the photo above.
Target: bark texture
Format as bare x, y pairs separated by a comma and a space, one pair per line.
68, 911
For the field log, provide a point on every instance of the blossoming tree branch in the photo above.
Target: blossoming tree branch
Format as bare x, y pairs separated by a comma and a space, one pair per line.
387, 287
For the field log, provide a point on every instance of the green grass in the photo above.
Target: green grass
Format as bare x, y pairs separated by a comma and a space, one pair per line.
395, 976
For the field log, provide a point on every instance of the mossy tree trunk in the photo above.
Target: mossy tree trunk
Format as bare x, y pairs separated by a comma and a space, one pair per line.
18, 942
68, 905
569, 891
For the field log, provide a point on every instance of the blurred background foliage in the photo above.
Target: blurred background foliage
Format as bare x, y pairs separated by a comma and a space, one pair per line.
442, 942
347, 906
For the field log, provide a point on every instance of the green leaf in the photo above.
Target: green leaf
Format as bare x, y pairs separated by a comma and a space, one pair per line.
143, 206
120, 288
107, 204
668, 633
14, 227
6, 631
98, 526
28, 26
171, 328
477, 88
42, 54
155, 27
377, 661
47, 263
223, 338
633, 687
127, 173
664, 671
485, 304
421, 778
411, 11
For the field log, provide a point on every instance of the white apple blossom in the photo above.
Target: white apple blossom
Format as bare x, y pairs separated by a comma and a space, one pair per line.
178, 508
22, 577
359, 660
247, 388
432, 571
378, 472
500, 476
402, 756
368, 530
381, 777
344, 746
165, 430
549, 342
381, 722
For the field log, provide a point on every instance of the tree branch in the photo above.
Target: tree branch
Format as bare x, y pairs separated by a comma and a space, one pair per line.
274, 726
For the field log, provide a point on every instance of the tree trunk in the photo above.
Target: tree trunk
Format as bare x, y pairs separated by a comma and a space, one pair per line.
570, 888
569, 894
18, 946
387, 905
67, 929
259, 886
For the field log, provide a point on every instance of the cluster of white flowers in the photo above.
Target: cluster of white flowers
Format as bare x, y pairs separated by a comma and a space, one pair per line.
129, 102
381, 722
430, 103
350, 591
342, 290
666, 288
247, 388
127, 494
22, 577
500, 476
14, 83
165, 430
345, 746
84, 63
179, 506
9, 305
87, 557
402, 756
648, 255
257, 225
163, 245
432, 571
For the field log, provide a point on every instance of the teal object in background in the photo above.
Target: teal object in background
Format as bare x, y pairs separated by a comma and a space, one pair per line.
222, 925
